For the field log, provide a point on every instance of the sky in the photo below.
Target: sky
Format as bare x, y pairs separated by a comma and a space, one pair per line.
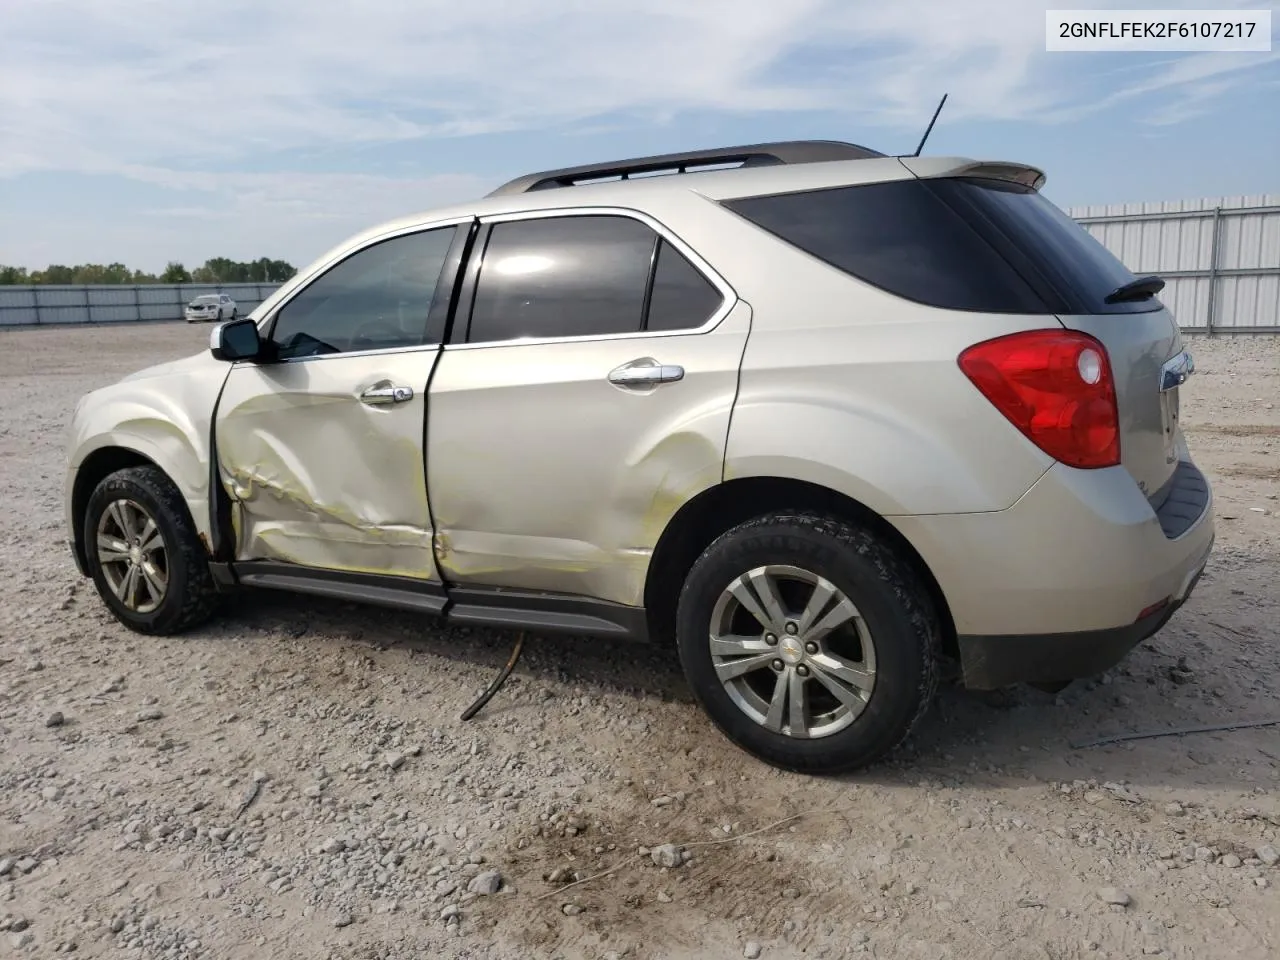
143, 131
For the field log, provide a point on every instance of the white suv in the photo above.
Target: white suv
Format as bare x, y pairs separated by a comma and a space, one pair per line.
829, 422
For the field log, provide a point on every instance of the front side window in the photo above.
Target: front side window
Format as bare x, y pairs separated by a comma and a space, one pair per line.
376, 299
562, 277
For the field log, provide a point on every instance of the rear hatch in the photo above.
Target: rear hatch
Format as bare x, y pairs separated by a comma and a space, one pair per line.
979, 237
1091, 291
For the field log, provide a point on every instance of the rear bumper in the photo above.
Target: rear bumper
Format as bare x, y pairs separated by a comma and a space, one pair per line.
992, 662
1062, 584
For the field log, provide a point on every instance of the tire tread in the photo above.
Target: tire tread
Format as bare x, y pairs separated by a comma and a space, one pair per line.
893, 572
200, 594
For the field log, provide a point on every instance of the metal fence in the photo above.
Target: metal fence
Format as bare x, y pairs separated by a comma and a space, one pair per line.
1220, 258
117, 303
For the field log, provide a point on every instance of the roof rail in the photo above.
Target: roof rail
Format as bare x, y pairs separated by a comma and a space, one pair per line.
750, 155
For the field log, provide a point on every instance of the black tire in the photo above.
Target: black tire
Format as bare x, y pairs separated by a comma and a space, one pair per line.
894, 606
234, 313
190, 596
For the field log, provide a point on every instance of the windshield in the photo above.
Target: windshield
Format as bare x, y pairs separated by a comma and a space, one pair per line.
204, 301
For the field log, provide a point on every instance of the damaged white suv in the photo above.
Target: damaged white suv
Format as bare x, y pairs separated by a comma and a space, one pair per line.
829, 421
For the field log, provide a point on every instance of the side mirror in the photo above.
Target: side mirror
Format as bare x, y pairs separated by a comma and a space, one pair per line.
237, 340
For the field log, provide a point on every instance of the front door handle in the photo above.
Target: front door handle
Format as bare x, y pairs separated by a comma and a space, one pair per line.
644, 372
384, 392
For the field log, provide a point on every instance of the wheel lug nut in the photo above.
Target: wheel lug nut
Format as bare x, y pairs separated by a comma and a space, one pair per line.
777, 665
792, 629
770, 639
802, 670
810, 647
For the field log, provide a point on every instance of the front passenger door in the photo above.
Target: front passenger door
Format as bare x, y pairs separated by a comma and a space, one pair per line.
321, 448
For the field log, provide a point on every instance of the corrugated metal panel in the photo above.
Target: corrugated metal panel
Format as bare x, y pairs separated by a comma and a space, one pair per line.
24, 305
1238, 278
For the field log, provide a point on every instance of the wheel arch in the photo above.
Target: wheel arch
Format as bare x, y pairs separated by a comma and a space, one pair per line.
96, 467
721, 507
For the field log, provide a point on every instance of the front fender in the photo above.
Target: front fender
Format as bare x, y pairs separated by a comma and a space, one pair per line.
165, 418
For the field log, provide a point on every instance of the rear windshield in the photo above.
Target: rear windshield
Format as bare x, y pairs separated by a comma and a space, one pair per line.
957, 243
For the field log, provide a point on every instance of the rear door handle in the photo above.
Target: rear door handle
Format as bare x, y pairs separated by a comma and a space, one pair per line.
384, 393
644, 372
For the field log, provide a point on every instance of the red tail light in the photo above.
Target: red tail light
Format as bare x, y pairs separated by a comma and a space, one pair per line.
1056, 387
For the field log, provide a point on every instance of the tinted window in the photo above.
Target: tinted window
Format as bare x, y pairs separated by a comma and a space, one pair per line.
376, 299
899, 236
682, 298
562, 277
1042, 242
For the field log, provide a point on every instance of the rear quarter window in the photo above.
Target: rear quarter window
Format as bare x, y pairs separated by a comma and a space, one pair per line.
959, 244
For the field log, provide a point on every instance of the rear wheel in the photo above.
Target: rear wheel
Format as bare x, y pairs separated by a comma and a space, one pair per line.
808, 642
144, 554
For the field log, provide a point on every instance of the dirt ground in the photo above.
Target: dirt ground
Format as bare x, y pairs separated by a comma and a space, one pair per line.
372, 809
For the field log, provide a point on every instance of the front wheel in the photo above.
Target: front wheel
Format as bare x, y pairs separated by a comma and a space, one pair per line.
809, 643
144, 554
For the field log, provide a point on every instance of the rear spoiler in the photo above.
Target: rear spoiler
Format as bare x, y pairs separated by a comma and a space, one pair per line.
929, 167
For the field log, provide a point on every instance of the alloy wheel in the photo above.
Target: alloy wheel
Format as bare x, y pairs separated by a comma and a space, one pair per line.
792, 651
132, 553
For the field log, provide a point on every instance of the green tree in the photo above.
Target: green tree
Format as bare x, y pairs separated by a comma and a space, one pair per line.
215, 270
96, 273
55, 273
175, 272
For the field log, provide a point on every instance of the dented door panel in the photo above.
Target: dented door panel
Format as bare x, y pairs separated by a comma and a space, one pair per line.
546, 476
319, 477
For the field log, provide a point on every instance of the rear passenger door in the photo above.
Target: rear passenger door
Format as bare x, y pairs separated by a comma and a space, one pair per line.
583, 398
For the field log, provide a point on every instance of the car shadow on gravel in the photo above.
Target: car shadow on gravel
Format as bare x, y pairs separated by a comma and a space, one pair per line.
997, 740
606, 663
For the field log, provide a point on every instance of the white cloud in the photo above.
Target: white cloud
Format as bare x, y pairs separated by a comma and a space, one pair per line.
239, 215
89, 83
181, 93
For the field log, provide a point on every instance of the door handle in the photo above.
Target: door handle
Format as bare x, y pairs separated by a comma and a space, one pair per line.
384, 393
644, 372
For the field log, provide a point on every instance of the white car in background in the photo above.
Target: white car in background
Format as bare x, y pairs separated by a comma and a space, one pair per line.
213, 306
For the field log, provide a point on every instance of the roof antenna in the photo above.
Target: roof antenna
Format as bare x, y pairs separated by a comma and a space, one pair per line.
929, 129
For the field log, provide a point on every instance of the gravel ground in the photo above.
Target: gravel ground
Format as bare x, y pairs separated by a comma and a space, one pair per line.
293, 780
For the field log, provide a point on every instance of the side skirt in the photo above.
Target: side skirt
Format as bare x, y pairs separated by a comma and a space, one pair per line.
476, 606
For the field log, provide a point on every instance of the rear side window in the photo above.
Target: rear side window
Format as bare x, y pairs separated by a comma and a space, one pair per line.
562, 277
959, 244
682, 298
